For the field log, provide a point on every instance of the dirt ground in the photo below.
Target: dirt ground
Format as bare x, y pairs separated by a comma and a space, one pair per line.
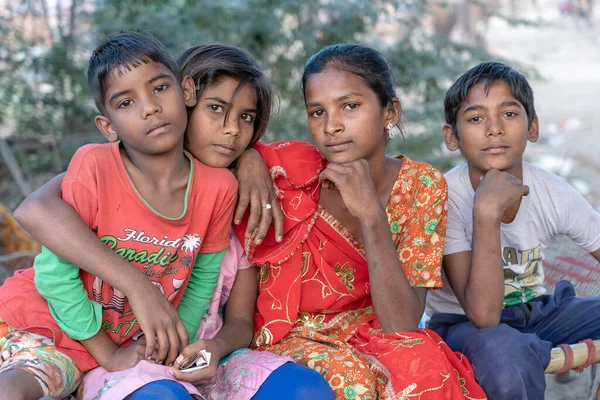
566, 53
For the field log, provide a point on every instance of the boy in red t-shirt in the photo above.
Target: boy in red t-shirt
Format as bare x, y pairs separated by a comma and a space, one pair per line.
136, 193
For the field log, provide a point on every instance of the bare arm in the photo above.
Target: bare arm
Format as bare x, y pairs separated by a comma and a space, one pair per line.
236, 332
255, 191
399, 306
596, 255
50, 220
477, 276
110, 356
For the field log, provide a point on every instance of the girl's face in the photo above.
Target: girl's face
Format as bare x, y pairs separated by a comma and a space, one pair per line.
212, 140
345, 117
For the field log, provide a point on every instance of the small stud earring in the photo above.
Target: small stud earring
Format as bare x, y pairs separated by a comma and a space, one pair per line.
389, 128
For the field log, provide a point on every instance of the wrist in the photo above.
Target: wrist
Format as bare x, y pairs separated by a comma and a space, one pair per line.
247, 154
219, 348
486, 212
373, 217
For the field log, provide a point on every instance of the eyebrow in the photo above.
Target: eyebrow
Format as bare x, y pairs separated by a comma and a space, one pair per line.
480, 107
226, 103
155, 78
339, 99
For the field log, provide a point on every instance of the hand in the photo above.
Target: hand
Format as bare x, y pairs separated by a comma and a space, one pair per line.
203, 376
256, 190
498, 192
354, 182
126, 357
160, 323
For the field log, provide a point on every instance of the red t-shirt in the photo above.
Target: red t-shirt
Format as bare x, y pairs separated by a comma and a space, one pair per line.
165, 249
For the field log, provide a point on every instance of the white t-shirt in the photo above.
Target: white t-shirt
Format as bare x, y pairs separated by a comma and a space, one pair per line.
552, 208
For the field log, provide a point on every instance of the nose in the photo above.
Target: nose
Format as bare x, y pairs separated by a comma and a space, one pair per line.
150, 107
231, 126
333, 126
495, 127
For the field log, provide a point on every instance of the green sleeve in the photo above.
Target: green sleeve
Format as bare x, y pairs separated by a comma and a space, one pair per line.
59, 283
199, 291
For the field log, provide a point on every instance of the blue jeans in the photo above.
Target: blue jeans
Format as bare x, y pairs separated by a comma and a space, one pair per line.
509, 359
290, 381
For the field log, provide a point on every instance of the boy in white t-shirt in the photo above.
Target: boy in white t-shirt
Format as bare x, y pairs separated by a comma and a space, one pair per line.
502, 213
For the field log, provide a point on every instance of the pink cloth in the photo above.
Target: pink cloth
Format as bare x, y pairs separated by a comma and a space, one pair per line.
239, 375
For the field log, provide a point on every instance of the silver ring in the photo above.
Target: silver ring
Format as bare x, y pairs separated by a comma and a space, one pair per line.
267, 206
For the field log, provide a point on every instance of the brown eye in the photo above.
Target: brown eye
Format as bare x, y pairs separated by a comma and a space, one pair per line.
125, 104
215, 108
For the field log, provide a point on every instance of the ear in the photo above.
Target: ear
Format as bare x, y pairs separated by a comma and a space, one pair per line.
106, 127
189, 91
450, 137
533, 134
393, 112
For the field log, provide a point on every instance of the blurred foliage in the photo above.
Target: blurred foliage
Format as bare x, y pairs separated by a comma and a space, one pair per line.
43, 87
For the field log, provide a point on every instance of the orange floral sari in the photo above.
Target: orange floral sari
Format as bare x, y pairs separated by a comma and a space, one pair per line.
314, 303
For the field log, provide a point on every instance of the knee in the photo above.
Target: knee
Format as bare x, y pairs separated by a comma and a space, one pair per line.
508, 364
295, 382
160, 390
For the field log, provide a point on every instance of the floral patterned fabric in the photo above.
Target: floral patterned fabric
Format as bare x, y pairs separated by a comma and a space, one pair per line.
314, 303
56, 373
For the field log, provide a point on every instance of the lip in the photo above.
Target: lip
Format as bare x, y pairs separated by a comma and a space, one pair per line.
336, 147
496, 149
158, 128
225, 149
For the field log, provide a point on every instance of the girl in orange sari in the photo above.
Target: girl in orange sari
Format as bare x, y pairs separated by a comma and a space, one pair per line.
344, 291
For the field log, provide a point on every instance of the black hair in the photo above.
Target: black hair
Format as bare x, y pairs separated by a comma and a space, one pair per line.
489, 73
364, 62
124, 50
208, 63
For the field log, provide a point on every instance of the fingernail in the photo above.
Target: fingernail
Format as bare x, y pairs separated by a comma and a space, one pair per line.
279, 238
171, 371
258, 241
179, 359
237, 222
248, 235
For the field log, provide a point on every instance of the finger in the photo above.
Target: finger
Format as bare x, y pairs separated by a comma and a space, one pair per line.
277, 220
255, 213
331, 175
163, 345
188, 351
242, 205
196, 377
150, 337
265, 221
174, 345
184, 337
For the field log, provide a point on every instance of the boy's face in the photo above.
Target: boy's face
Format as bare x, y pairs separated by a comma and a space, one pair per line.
492, 130
146, 108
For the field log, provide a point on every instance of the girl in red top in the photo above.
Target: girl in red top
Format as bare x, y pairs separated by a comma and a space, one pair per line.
344, 291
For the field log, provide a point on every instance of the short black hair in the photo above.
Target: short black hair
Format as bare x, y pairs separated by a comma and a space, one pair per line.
208, 63
365, 62
124, 50
489, 73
